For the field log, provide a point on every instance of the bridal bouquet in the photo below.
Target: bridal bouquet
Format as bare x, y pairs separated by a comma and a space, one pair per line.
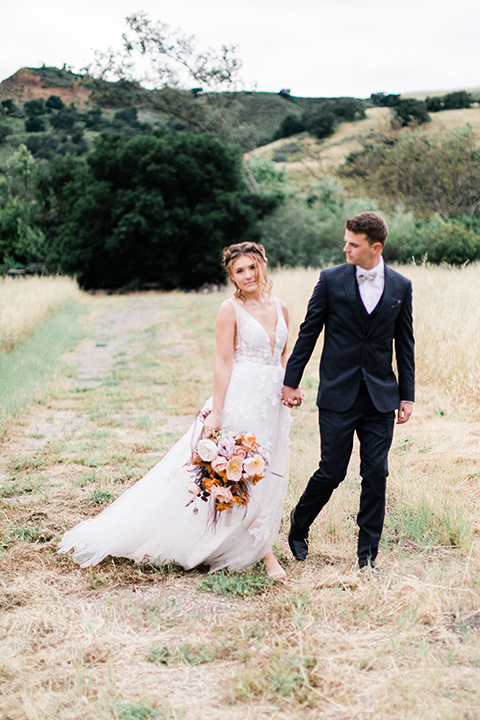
225, 466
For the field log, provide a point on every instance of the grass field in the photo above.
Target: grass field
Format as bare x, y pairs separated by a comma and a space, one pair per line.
135, 642
26, 301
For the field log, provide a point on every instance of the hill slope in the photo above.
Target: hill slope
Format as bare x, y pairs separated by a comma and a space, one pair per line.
33, 83
307, 159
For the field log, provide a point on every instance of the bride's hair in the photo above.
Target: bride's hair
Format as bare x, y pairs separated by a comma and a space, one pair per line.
258, 255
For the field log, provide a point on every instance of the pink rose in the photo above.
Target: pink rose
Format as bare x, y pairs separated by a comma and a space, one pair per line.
219, 465
222, 494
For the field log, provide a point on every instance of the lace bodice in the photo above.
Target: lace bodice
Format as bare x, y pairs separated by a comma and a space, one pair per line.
253, 342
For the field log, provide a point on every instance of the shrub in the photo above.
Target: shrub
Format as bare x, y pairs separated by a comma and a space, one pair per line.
321, 124
8, 107
54, 103
64, 119
34, 124
411, 111
4, 133
127, 115
34, 108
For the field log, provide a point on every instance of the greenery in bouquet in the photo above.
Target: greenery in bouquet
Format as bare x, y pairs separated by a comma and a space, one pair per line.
226, 466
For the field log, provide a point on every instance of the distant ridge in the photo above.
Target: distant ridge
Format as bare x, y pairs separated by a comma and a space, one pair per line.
33, 83
422, 94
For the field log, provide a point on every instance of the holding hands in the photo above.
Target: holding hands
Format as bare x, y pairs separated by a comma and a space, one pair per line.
292, 397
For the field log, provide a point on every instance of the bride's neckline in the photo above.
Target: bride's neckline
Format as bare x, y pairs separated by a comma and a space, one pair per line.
274, 344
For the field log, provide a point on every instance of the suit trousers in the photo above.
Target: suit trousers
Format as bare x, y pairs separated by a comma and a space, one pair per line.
374, 431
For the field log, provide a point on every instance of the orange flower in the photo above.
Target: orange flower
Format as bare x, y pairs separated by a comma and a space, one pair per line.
208, 482
249, 441
222, 506
257, 478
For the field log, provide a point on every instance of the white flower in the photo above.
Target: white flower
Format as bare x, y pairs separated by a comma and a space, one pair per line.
193, 488
207, 450
234, 469
254, 465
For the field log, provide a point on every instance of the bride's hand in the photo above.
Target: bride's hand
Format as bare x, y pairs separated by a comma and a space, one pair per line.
212, 423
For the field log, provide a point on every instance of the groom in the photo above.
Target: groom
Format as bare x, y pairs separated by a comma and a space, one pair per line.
364, 307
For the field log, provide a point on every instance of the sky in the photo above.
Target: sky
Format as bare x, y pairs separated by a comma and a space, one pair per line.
316, 48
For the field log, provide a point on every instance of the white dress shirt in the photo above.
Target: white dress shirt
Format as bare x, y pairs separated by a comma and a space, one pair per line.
371, 290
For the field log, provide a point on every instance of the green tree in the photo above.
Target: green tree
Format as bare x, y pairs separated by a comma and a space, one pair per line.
175, 66
21, 240
155, 208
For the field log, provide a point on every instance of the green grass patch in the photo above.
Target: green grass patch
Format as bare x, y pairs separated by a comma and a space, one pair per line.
100, 497
430, 522
251, 582
21, 486
143, 710
28, 371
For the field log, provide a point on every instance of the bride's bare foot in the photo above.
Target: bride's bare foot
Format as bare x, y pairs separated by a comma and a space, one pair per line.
273, 567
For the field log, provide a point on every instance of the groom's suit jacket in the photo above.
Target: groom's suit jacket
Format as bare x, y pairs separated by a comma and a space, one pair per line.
356, 345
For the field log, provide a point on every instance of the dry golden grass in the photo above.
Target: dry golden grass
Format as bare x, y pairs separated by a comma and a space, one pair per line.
128, 642
24, 302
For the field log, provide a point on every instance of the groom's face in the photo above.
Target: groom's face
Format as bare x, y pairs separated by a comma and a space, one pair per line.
359, 252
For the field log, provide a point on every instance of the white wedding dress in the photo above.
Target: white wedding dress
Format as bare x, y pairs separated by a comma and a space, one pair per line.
154, 520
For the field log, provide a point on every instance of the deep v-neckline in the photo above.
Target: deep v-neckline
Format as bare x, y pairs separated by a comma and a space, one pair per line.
274, 346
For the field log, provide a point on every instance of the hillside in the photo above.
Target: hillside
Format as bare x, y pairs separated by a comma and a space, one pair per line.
33, 83
256, 117
308, 159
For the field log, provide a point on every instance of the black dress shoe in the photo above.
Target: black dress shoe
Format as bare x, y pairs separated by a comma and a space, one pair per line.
298, 544
363, 566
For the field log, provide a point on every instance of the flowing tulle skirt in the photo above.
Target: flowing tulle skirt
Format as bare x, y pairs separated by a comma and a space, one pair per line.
154, 520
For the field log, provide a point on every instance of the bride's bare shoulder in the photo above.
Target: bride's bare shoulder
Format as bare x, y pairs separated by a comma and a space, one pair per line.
226, 311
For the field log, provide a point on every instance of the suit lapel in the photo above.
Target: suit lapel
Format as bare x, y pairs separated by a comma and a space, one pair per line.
350, 285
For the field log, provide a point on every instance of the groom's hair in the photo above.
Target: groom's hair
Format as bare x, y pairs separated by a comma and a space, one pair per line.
373, 225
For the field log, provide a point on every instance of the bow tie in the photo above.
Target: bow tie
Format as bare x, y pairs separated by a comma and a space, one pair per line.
363, 275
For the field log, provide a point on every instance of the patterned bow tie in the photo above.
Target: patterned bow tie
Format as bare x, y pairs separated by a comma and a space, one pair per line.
363, 275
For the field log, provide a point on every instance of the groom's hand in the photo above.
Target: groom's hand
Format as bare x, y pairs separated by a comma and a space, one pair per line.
292, 397
404, 412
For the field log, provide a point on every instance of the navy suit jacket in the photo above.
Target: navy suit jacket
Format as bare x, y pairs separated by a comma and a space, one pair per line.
354, 349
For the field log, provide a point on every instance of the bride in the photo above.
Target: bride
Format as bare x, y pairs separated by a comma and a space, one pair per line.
154, 521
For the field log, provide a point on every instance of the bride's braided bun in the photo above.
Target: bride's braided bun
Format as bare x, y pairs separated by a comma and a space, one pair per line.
258, 255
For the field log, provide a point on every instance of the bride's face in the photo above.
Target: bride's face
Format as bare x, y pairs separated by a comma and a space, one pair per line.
248, 274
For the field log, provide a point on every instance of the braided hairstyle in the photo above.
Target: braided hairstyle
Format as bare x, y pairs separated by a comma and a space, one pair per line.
258, 255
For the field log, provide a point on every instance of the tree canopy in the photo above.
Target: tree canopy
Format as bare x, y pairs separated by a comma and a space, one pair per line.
156, 208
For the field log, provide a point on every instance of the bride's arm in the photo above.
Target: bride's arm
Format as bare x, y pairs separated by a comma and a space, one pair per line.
225, 339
